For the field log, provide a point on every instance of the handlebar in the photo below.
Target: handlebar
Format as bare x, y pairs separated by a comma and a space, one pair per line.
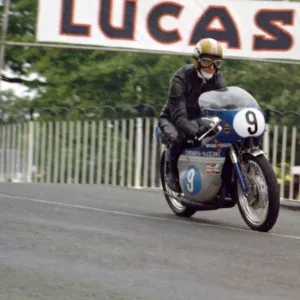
215, 124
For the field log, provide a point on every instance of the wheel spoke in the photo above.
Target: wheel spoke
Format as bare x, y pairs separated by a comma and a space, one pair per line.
255, 206
175, 202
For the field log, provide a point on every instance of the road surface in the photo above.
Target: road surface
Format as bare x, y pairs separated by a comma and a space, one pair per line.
98, 242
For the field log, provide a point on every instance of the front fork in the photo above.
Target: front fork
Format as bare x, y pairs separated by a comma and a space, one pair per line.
238, 171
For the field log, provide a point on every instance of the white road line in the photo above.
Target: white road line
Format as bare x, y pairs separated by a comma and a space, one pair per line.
145, 216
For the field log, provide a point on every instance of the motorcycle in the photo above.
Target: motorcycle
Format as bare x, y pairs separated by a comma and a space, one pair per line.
226, 166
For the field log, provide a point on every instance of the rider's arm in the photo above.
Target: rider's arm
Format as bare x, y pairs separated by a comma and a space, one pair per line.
177, 107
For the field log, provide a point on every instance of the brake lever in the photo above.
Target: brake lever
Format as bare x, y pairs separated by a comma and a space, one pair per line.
214, 124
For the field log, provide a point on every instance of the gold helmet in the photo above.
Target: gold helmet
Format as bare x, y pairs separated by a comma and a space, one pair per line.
206, 52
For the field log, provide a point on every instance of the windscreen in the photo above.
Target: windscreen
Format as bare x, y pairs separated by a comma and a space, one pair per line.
231, 98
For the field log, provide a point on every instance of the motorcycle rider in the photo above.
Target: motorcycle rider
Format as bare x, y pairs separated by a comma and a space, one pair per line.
186, 85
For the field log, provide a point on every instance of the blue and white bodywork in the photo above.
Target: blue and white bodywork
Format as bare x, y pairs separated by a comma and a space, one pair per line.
225, 166
200, 167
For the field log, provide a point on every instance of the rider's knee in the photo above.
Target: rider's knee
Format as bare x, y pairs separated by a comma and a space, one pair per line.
170, 132
175, 137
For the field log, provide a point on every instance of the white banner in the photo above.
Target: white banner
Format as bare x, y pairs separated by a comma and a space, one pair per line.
249, 29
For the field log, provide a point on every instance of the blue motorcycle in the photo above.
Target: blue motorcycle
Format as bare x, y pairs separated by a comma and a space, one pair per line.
226, 166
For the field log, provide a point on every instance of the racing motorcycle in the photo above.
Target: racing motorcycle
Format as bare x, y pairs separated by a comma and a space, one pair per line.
226, 166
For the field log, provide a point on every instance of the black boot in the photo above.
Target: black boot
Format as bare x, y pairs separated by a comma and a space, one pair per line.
172, 178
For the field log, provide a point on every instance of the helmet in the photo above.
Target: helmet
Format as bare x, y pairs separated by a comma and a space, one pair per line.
206, 52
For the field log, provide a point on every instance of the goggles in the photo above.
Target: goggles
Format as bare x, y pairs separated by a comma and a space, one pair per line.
207, 62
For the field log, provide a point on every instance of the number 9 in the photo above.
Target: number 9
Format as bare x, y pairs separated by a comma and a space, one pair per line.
191, 180
249, 122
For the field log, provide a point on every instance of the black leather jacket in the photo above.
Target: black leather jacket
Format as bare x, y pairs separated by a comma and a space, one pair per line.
182, 105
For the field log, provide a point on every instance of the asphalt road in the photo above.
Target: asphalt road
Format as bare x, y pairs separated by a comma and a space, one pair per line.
94, 242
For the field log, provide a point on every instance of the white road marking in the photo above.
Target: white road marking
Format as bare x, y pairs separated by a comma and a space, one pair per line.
144, 216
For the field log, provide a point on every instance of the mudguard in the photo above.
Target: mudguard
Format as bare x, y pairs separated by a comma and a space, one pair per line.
254, 152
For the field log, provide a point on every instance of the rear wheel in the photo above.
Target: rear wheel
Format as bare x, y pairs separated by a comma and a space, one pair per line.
175, 205
260, 209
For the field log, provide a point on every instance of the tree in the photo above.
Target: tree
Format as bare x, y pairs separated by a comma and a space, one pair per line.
81, 77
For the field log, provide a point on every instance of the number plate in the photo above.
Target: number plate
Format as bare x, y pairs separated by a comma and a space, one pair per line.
249, 122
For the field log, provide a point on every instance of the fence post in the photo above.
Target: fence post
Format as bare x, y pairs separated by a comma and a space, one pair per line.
266, 141
138, 152
293, 150
30, 151
283, 161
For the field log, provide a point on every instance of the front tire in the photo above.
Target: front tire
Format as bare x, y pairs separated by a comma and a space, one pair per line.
264, 193
179, 209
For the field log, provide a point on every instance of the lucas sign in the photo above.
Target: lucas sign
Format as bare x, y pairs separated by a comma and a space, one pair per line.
248, 29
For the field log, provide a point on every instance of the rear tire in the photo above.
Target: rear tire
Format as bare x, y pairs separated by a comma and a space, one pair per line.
174, 204
267, 181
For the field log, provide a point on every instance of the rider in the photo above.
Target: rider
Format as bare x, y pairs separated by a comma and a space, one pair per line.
186, 85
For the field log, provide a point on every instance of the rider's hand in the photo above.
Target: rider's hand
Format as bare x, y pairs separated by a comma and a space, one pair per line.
202, 129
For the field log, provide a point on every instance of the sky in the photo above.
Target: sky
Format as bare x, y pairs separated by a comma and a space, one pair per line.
18, 89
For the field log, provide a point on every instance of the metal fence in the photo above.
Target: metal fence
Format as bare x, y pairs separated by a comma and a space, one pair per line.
118, 152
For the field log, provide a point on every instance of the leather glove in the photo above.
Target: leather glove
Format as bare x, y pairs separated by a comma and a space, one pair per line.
202, 129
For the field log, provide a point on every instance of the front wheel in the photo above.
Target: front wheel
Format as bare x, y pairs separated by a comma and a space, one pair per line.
179, 209
260, 209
